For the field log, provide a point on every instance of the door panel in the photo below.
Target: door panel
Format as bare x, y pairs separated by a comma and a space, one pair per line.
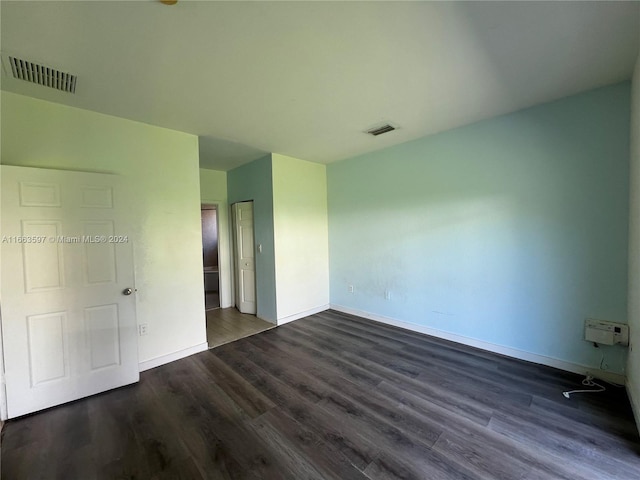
104, 336
97, 197
42, 262
47, 342
248, 289
245, 257
99, 259
37, 194
68, 332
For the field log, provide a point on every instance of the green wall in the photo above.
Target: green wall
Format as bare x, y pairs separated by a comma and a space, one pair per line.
510, 231
290, 222
633, 364
253, 181
213, 185
161, 167
301, 236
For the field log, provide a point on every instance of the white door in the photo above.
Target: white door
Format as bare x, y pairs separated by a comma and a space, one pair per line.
245, 258
68, 322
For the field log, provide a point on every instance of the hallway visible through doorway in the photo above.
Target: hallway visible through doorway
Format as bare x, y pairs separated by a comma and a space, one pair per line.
211, 272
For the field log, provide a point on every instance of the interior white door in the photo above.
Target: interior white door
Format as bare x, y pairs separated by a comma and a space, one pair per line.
245, 257
68, 320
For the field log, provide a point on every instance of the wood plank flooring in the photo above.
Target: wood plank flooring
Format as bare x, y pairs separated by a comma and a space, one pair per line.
226, 325
334, 396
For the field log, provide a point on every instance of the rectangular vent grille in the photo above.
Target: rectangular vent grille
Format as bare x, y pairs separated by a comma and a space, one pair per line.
380, 130
41, 75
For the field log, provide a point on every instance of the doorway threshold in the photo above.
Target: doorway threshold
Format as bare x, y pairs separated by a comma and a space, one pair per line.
226, 325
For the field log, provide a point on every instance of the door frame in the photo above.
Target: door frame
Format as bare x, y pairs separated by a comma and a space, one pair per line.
225, 245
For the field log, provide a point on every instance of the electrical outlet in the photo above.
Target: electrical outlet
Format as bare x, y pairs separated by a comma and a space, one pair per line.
350, 289
142, 329
387, 295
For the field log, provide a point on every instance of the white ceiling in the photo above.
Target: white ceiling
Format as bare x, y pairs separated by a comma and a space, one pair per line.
305, 79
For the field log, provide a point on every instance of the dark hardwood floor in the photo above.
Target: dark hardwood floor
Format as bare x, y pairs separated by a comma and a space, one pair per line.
334, 397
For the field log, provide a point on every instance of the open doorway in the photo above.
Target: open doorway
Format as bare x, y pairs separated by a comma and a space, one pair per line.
210, 257
226, 325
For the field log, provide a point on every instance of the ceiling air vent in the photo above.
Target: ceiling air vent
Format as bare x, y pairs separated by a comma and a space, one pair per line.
45, 76
380, 130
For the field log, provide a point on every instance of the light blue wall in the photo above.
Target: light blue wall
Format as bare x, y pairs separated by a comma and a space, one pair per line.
633, 362
510, 231
253, 181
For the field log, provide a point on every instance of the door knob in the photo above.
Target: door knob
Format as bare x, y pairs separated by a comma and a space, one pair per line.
127, 291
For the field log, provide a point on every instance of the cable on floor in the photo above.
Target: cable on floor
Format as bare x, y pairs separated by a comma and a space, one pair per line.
587, 382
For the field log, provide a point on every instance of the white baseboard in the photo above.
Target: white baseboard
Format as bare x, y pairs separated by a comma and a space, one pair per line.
490, 347
172, 357
634, 398
306, 313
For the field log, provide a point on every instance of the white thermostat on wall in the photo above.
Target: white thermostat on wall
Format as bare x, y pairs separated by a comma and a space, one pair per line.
605, 332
